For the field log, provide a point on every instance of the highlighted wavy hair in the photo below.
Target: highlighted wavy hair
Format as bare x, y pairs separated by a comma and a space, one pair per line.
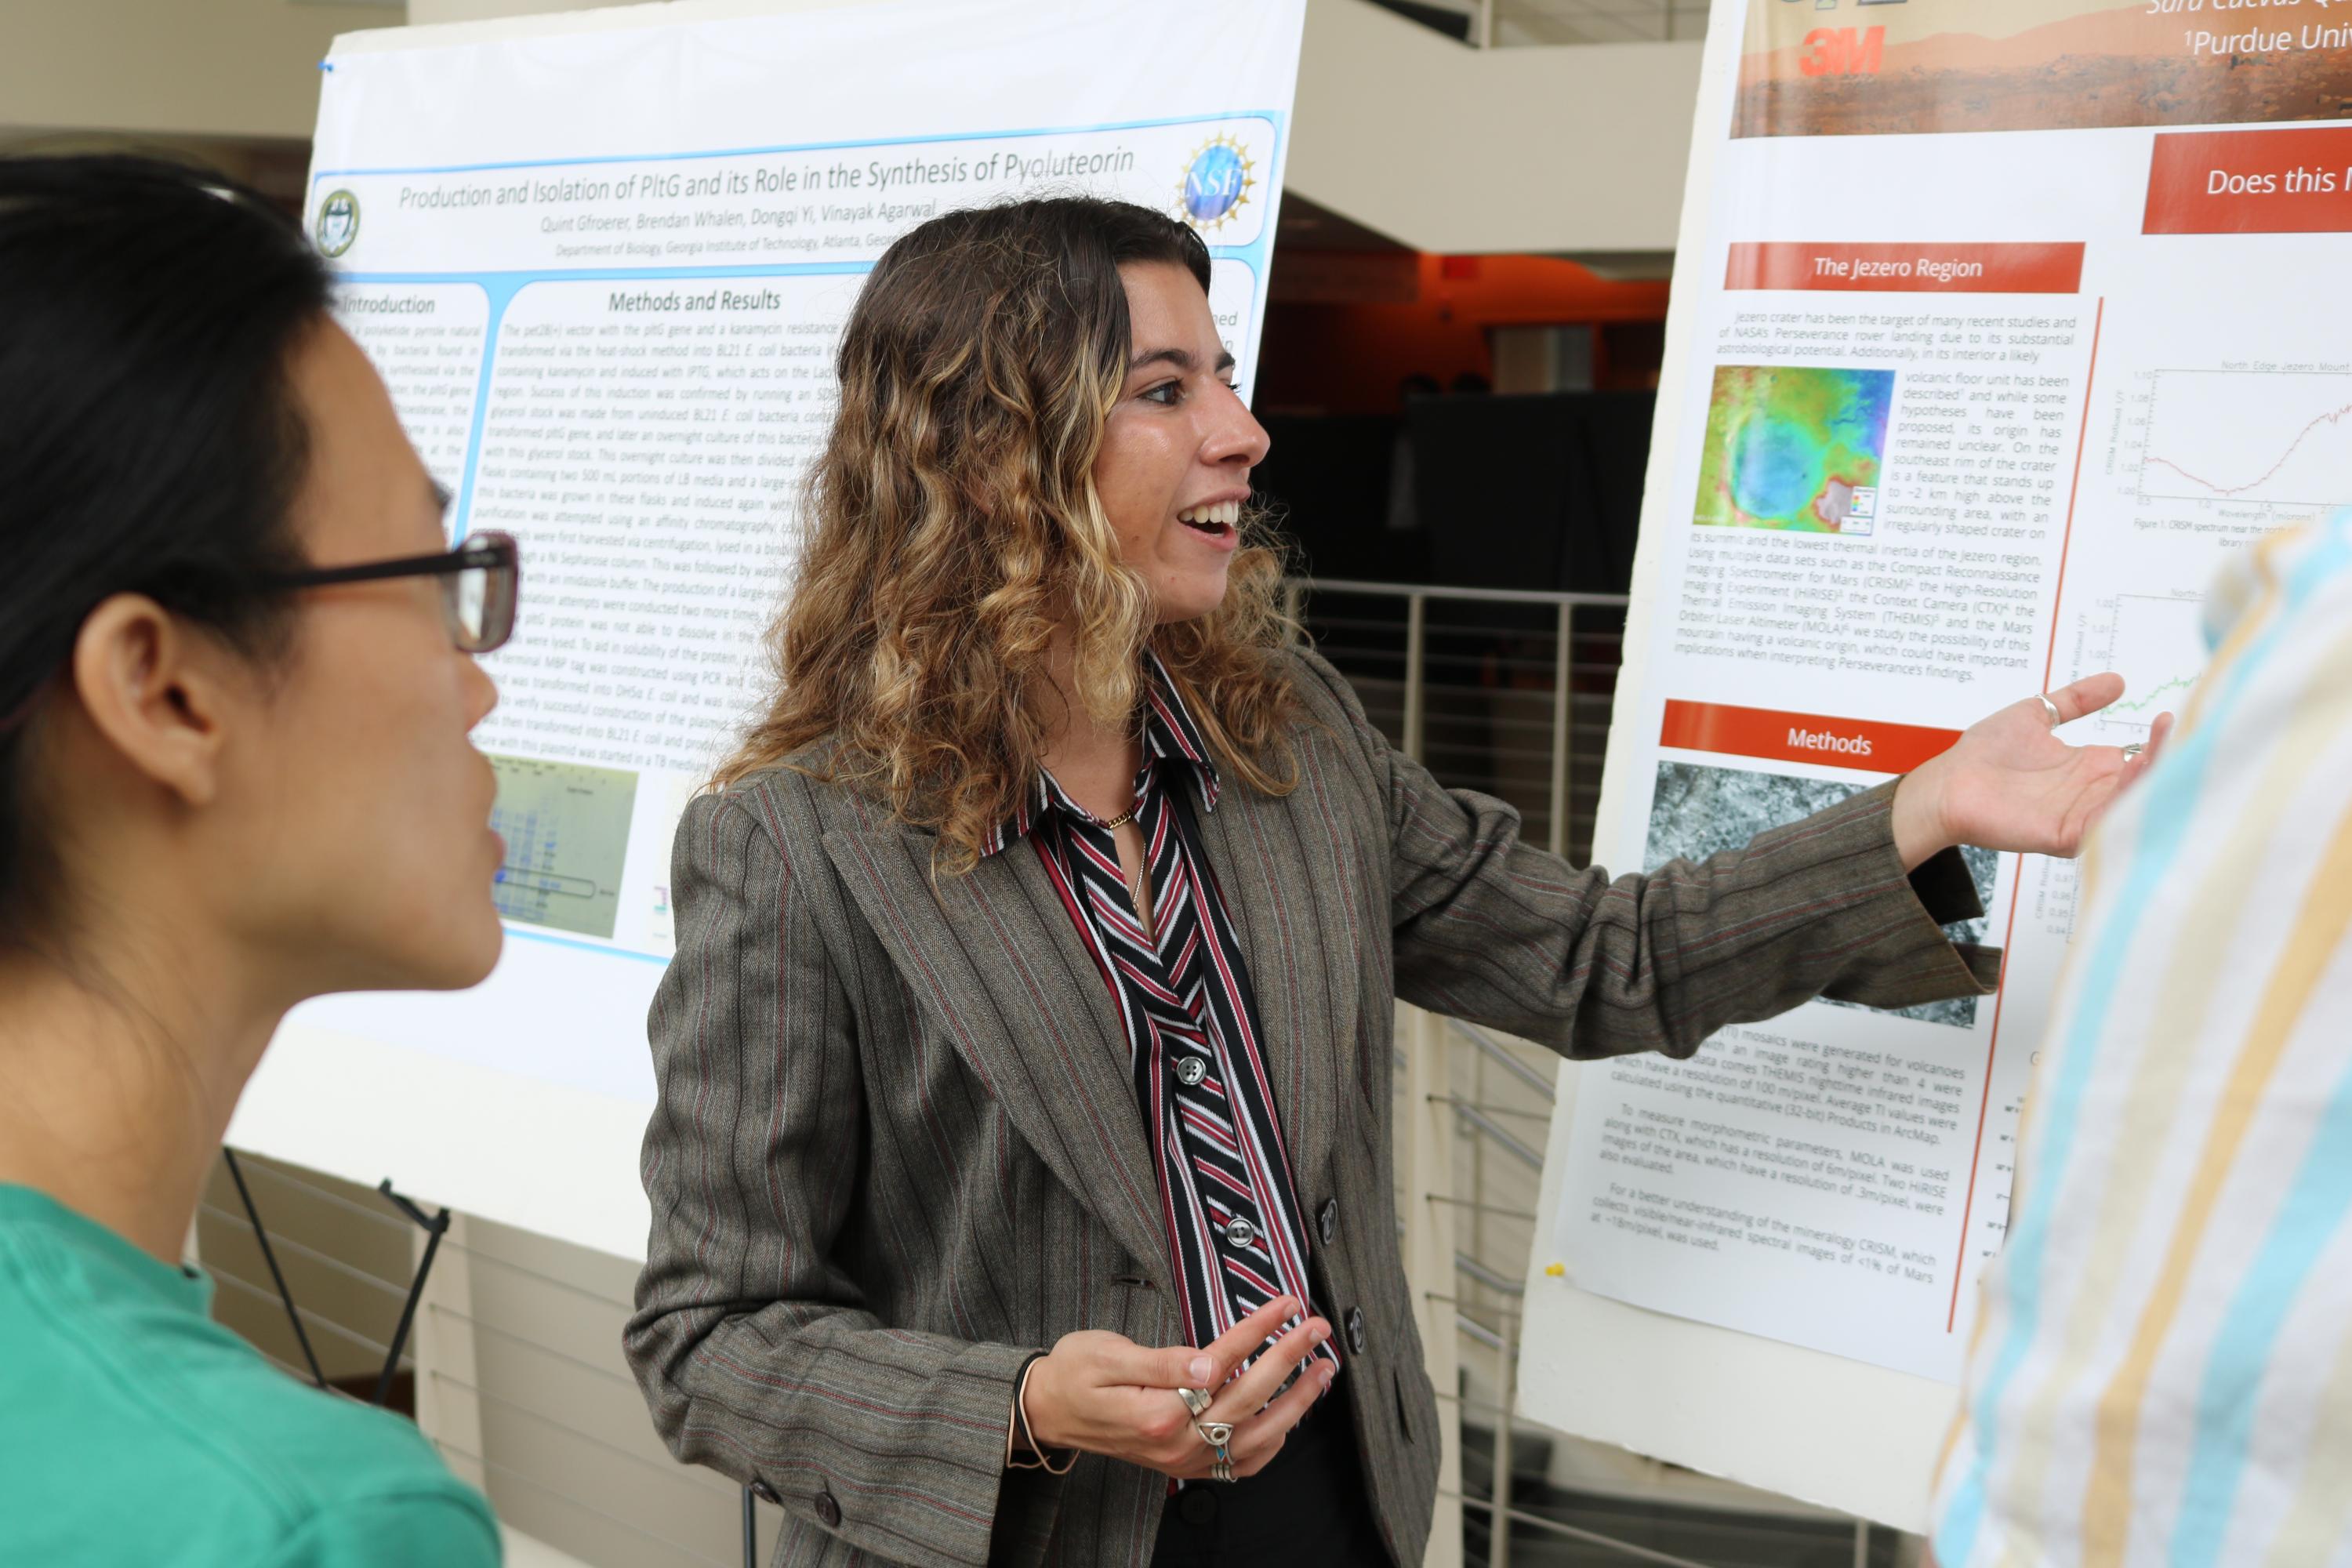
953, 528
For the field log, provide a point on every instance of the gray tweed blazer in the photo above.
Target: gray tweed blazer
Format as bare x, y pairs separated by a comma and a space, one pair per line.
897, 1148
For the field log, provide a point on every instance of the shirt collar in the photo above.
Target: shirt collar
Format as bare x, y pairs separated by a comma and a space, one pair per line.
1170, 735
98, 1247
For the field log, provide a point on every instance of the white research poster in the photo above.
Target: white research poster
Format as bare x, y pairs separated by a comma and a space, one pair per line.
1993, 334
602, 262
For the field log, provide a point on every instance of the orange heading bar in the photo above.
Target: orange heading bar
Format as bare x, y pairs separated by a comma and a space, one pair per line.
1865, 745
2250, 182
1907, 268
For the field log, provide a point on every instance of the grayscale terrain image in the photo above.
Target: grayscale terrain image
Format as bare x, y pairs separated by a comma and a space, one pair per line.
1701, 810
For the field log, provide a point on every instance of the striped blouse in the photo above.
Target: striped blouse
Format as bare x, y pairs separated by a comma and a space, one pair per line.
1236, 1239
2162, 1373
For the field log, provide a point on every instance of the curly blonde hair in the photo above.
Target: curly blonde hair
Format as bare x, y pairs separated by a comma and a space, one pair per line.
953, 528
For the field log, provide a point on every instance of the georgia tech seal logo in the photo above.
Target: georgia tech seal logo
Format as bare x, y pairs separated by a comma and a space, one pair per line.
339, 223
1217, 184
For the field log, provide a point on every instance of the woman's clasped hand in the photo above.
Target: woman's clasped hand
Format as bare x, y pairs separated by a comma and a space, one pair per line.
1104, 1394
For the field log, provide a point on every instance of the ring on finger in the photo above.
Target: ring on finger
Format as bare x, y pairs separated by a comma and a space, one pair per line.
2134, 750
1223, 1470
1215, 1434
2050, 709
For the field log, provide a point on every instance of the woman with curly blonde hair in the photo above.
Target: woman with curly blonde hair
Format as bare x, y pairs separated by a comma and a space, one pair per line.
1020, 1173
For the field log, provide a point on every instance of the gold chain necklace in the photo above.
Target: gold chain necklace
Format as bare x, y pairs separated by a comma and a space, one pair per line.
1108, 824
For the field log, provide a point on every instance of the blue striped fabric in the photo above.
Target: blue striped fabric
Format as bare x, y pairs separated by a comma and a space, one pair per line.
2163, 1367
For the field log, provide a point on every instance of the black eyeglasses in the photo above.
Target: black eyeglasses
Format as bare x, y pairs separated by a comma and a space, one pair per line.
480, 581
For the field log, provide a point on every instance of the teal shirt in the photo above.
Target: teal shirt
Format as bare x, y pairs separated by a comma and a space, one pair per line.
137, 1433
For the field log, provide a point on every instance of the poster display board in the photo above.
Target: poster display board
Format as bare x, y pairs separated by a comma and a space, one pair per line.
1992, 335
602, 262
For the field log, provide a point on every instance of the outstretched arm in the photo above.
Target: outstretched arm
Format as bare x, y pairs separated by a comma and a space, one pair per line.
1849, 903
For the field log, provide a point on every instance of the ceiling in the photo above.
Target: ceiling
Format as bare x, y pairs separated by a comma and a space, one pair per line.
1580, 21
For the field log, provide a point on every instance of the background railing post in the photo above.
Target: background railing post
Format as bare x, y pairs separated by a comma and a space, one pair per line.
1563, 734
447, 1358
1507, 1385
1428, 1154
1416, 676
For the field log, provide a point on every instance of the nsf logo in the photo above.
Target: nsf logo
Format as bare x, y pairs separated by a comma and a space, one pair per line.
338, 224
1217, 183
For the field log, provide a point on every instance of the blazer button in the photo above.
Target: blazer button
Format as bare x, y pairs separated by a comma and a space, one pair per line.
1328, 1222
1356, 1335
764, 1492
827, 1510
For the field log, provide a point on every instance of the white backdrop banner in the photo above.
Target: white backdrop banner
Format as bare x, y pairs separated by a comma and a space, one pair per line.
603, 261
1973, 378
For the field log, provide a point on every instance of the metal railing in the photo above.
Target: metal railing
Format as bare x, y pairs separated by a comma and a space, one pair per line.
1510, 691
1504, 690
1503, 24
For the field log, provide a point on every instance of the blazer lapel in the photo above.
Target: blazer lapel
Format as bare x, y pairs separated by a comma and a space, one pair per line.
992, 954
1296, 904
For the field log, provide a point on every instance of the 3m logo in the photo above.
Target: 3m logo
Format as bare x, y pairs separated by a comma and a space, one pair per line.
1844, 51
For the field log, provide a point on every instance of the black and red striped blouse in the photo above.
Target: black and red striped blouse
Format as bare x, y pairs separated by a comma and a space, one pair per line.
1236, 1232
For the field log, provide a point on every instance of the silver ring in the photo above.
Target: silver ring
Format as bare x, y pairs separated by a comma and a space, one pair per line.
2134, 750
1215, 1434
2050, 708
1221, 1471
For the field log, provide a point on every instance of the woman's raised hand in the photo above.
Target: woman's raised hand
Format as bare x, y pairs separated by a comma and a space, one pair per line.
2010, 784
1105, 1394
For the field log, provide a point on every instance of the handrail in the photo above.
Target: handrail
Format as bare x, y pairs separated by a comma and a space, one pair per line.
1477, 595
1468, 1264
1492, 1049
1464, 1323
1525, 1154
1639, 1553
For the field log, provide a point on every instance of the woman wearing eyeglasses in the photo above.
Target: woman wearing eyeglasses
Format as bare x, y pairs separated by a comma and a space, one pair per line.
237, 678
1021, 1177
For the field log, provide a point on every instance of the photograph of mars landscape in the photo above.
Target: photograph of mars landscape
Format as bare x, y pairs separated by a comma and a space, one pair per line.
1699, 810
1877, 68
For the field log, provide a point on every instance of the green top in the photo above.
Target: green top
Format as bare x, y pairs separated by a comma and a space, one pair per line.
136, 1431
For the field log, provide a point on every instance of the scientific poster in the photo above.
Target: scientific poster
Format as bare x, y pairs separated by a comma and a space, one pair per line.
1998, 324
602, 262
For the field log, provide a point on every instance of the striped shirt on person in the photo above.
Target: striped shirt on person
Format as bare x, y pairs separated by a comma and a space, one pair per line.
1236, 1236
2162, 1372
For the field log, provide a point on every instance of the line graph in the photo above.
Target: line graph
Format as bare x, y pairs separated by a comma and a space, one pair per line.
2251, 436
2157, 642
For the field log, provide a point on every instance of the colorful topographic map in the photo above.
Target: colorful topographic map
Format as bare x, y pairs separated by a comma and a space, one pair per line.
1789, 446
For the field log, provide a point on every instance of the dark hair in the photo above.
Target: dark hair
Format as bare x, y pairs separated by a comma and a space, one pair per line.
150, 439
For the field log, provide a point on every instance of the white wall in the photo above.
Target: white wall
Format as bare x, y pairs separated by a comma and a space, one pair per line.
420, 12
1575, 149
1565, 149
192, 68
